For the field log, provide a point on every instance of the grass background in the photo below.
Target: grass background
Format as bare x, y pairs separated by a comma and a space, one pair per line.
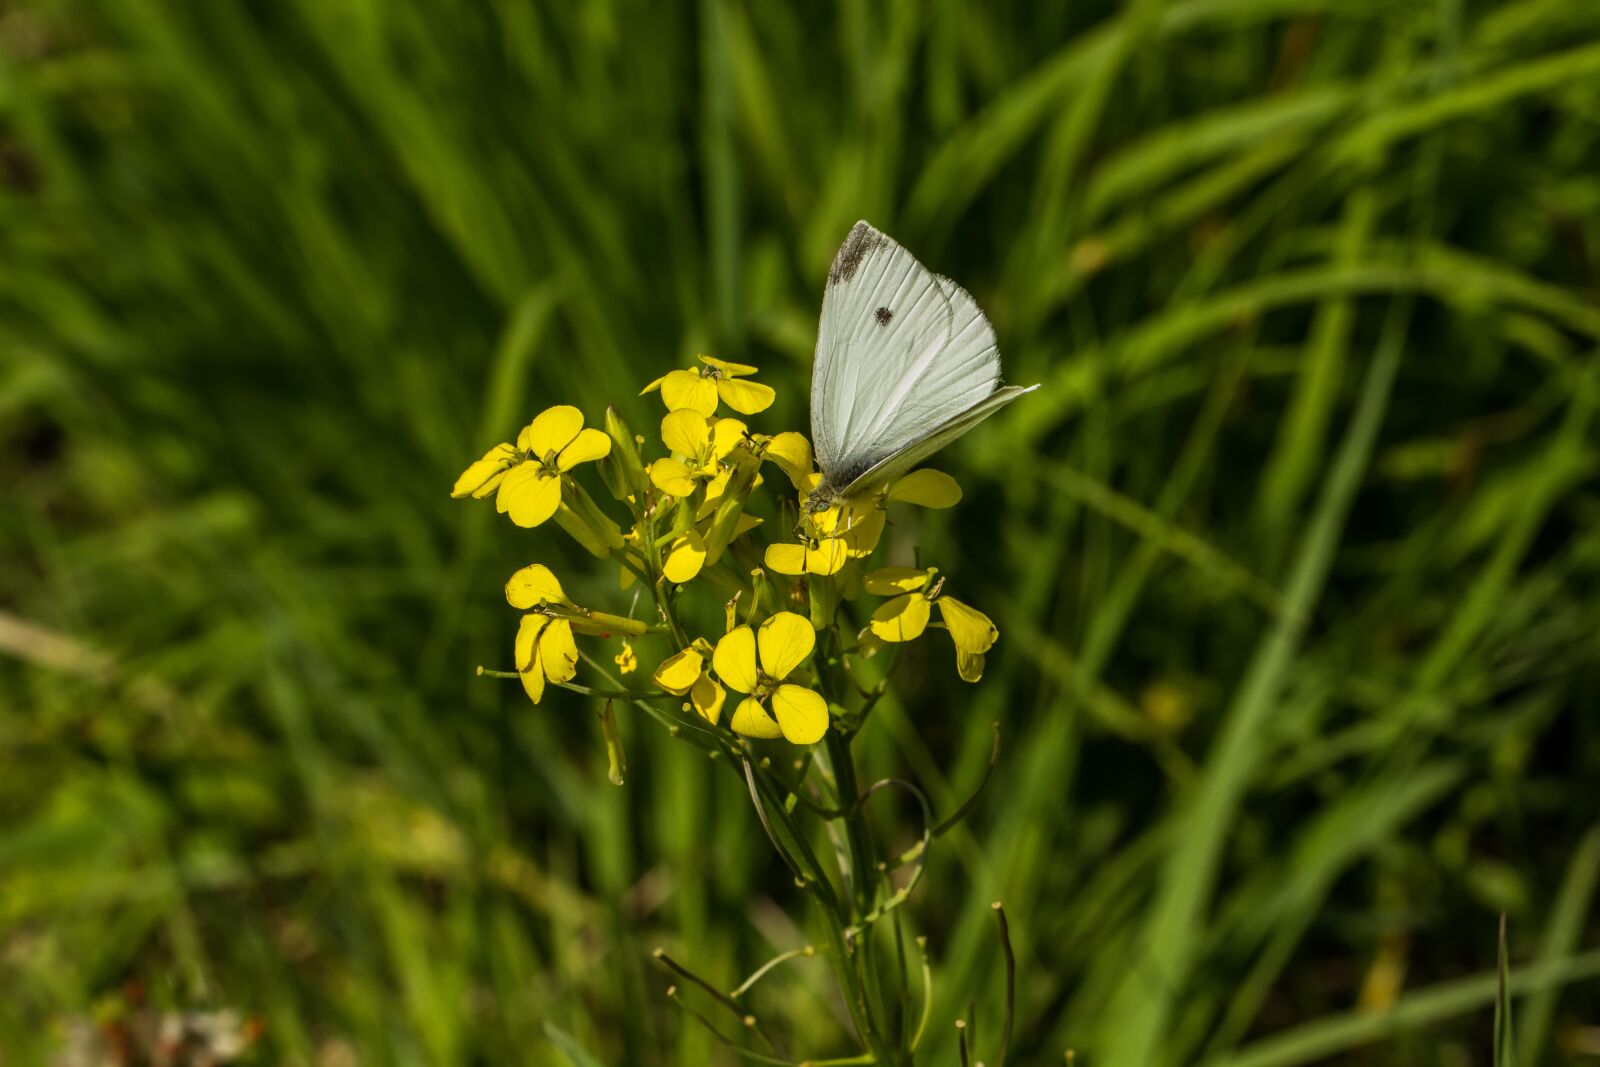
1295, 556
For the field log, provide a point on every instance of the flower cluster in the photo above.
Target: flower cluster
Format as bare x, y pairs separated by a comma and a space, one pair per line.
692, 509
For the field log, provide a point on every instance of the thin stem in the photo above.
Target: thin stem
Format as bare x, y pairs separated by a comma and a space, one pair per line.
841, 952
740, 1050
927, 994
961, 1041
660, 956
1011, 983
961, 812
761, 972
588, 691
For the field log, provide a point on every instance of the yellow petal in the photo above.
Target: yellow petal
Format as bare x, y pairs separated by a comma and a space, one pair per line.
685, 556
515, 481
735, 659
532, 683
529, 500
589, 445
686, 432
863, 529
969, 665
551, 430
926, 488
671, 476
653, 386
827, 557
558, 653
484, 474
526, 648
706, 698
786, 639
725, 437
714, 490
969, 628
888, 581
679, 671
685, 390
802, 714
903, 618
534, 585
786, 559
626, 659
734, 369
752, 720
826, 521
746, 398
792, 453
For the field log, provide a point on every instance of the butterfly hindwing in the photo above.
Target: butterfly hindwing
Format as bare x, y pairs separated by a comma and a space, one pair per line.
898, 463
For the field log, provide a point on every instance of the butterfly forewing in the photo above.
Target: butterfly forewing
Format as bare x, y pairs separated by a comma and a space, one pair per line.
901, 354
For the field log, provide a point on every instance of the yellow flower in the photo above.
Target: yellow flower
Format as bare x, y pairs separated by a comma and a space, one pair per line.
544, 645
684, 674
904, 617
699, 388
757, 665
627, 660
528, 475
545, 650
702, 443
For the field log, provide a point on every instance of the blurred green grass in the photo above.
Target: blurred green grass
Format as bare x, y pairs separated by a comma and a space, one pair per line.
1295, 557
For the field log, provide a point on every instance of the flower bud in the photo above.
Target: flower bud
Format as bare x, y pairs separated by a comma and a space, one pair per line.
622, 470
731, 506
613, 739
585, 522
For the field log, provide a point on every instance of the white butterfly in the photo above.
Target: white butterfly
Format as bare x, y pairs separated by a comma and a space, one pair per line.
905, 364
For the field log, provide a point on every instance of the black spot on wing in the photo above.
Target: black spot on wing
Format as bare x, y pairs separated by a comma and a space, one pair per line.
884, 315
863, 239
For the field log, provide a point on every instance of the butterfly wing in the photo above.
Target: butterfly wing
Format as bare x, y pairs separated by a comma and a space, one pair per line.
895, 464
901, 352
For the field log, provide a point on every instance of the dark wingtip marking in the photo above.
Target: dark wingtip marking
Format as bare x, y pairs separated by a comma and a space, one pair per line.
884, 315
861, 241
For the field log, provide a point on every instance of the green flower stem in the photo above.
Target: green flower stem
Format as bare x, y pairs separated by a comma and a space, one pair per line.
866, 874
841, 951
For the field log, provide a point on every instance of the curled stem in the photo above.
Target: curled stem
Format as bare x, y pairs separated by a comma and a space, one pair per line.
916, 852
899, 896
